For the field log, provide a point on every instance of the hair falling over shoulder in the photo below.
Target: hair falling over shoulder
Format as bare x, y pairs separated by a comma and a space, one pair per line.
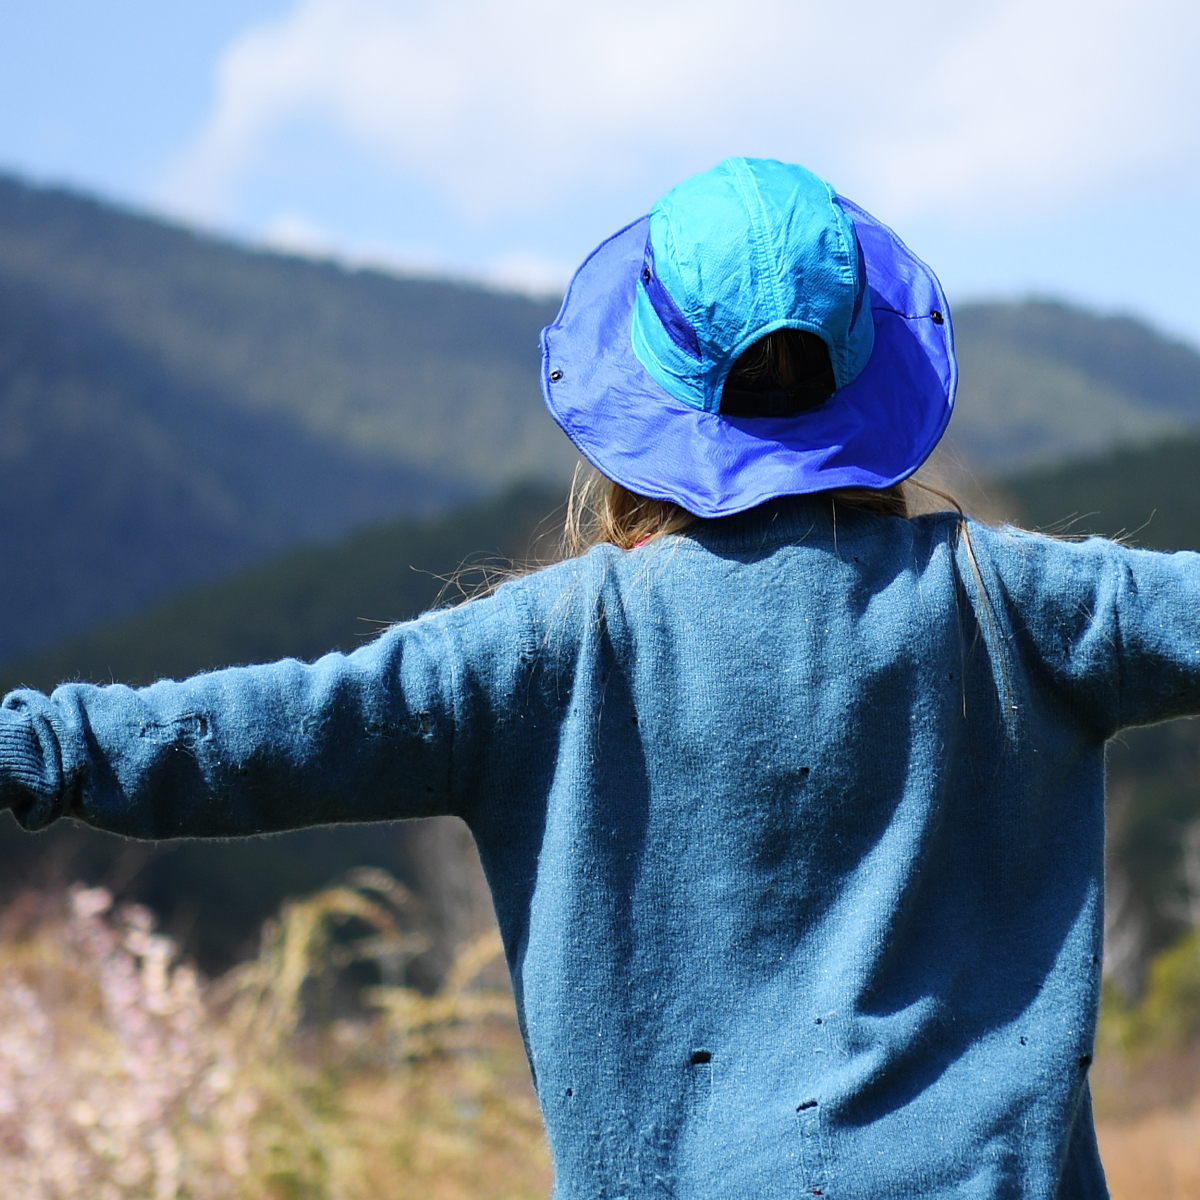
600, 511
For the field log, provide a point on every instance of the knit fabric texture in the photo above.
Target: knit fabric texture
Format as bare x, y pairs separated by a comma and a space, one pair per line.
796, 845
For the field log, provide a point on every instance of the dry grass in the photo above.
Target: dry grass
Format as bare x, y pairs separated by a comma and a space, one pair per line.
1148, 1122
1146, 1081
123, 1074
1154, 1155
465, 1133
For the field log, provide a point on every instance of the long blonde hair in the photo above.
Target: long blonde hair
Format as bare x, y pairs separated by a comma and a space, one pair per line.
601, 511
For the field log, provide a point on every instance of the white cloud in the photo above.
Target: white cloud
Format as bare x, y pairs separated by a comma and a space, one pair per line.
1045, 101
515, 106
524, 272
292, 233
533, 274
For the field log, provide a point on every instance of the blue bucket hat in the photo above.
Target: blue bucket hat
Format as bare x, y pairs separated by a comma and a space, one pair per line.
634, 365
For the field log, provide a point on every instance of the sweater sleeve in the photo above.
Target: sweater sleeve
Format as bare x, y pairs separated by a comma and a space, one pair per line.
1113, 630
361, 737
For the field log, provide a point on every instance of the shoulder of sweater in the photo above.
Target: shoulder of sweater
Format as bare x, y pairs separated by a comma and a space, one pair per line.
524, 604
1009, 542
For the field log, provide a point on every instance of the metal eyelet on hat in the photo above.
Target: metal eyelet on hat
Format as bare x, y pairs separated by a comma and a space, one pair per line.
936, 317
555, 376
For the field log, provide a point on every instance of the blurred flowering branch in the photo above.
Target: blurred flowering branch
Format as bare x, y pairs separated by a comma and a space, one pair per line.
124, 1074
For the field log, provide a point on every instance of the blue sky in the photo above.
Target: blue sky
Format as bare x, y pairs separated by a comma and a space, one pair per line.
1046, 147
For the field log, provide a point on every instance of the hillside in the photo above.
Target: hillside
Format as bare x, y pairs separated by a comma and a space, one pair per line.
1149, 495
1043, 383
123, 483
311, 600
176, 412
174, 408
431, 374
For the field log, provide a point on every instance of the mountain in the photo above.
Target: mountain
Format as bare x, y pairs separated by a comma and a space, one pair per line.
431, 374
174, 408
1042, 383
177, 411
122, 483
214, 895
1147, 495
312, 600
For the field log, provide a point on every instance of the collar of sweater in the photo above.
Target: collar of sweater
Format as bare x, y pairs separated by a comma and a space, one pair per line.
788, 519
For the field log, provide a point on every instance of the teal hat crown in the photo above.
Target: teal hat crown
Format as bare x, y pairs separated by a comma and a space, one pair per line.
735, 253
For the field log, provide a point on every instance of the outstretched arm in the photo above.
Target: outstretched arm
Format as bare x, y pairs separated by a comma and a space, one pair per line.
357, 737
1115, 631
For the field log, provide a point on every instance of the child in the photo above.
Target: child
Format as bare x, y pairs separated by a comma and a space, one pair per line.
791, 805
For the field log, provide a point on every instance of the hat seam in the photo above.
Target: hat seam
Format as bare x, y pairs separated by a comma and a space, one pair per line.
841, 215
758, 222
643, 288
648, 349
780, 306
689, 310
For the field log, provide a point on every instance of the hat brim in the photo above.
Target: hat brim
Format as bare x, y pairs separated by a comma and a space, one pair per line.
872, 433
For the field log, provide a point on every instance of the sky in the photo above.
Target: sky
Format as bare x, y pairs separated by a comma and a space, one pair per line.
1023, 147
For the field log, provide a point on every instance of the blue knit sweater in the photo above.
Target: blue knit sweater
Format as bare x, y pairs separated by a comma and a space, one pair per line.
796, 848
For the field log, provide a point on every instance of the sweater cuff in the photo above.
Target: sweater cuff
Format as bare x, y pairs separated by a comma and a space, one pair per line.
27, 786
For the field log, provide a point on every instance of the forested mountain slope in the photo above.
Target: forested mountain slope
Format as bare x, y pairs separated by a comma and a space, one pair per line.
1042, 383
174, 407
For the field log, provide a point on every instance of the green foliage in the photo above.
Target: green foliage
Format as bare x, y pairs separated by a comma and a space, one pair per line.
174, 408
1167, 1018
437, 374
1148, 495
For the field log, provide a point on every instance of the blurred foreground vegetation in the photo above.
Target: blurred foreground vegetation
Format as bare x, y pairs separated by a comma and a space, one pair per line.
1146, 1080
123, 1073
306, 1073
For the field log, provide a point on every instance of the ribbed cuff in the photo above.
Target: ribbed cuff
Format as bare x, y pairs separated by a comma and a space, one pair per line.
25, 783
